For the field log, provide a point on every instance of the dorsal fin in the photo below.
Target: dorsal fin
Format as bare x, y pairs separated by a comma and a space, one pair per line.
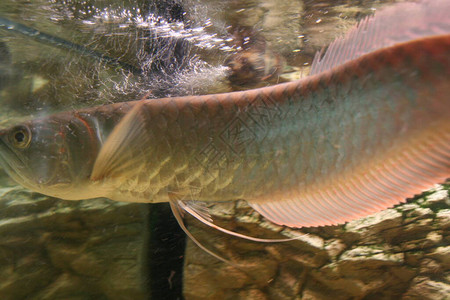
396, 24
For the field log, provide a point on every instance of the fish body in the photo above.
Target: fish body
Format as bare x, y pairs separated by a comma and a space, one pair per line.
346, 142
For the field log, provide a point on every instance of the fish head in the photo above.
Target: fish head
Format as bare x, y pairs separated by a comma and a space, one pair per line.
53, 156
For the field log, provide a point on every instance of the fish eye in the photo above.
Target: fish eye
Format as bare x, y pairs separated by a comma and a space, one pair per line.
20, 137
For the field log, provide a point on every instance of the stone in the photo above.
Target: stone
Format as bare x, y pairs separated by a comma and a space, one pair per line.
54, 249
433, 238
364, 277
310, 259
231, 278
85, 264
422, 288
63, 255
375, 255
120, 281
419, 212
412, 258
250, 294
260, 269
441, 254
380, 221
378, 227
289, 281
310, 240
197, 285
67, 286
442, 219
430, 266
226, 210
26, 277
315, 290
438, 199
335, 247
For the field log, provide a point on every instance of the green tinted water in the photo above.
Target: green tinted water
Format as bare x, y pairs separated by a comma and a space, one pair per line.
99, 249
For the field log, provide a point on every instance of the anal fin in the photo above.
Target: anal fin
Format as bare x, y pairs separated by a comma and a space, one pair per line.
401, 174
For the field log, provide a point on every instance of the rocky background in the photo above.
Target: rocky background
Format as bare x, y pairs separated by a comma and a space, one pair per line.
399, 253
53, 249
99, 249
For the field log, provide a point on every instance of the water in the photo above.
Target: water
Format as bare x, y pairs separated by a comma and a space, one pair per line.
60, 54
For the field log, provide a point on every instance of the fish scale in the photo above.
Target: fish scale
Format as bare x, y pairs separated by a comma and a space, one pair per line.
350, 140
266, 159
241, 129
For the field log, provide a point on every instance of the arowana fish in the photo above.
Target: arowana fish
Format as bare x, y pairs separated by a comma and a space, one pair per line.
367, 129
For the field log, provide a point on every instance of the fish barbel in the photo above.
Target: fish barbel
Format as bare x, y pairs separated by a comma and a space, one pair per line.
369, 128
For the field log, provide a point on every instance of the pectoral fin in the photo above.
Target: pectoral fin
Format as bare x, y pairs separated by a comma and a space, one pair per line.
177, 211
200, 211
125, 148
